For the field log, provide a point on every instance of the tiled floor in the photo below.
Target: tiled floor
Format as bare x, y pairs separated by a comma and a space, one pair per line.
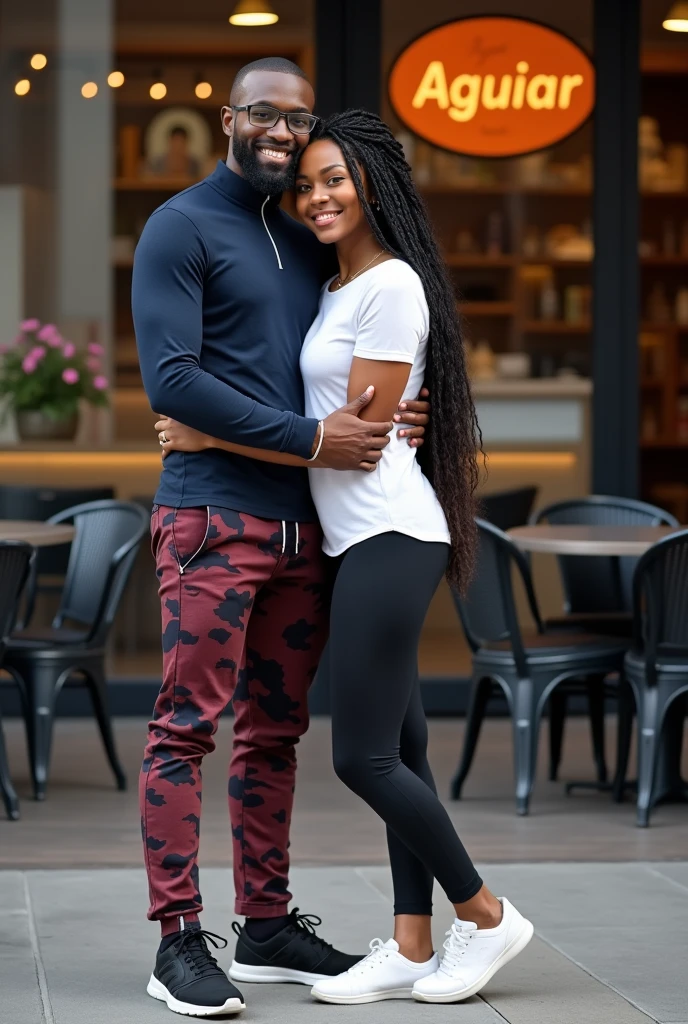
609, 901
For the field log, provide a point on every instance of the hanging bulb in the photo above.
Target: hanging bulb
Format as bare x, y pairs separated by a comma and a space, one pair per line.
253, 13
115, 79
22, 87
89, 90
677, 18
38, 61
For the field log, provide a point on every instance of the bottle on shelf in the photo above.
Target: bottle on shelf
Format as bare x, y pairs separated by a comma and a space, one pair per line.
681, 309
549, 301
682, 418
494, 240
658, 308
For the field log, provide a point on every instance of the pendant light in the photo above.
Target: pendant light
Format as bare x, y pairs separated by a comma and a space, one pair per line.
253, 13
677, 18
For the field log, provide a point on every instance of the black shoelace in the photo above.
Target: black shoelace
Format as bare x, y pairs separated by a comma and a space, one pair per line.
192, 945
304, 926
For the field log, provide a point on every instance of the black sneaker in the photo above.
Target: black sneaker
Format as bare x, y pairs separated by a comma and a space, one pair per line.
297, 953
187, 977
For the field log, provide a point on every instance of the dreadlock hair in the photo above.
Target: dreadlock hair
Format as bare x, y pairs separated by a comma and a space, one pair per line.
402, 226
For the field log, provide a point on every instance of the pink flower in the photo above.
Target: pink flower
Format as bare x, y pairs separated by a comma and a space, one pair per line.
100, 383
48, 333
95, 349
36, 354
28, 364
70, 375
30, 325
69, 350
93, 364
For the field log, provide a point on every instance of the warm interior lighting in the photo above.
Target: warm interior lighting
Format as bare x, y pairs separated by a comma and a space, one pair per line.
253, 13
22, 87
203, 90
89, 90
91, 461
115, 79
677, 18
532, 460
38, 61
158, 90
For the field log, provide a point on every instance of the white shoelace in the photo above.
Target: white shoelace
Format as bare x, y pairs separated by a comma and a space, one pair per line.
377, 954
455, 946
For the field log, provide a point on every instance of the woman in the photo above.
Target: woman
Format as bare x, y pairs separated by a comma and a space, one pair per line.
389, 320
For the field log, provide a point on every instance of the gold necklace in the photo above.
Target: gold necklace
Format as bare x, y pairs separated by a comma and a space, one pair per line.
347, 280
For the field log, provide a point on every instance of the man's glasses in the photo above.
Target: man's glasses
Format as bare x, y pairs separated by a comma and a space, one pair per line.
260, 115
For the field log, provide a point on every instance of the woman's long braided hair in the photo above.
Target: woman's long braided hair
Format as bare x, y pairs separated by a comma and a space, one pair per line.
401, 225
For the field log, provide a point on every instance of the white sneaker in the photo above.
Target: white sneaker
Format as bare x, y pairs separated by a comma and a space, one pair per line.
383, 974
473, 956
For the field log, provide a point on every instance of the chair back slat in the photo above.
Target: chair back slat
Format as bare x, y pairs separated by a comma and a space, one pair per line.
106, 540
661, 600
593, 585
15, 560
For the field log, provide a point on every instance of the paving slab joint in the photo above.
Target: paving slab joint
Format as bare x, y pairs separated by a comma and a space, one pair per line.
41, 977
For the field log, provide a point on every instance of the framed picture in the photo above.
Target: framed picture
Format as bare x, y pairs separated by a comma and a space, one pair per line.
177, 144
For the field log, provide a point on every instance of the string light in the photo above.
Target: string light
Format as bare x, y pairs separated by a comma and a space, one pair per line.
115, 79
22, 87
203, 89
158, 89
38, 61
89, 90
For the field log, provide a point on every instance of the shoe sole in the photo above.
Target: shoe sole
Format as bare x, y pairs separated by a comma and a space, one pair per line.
516, 946
255, 975
157, 990
371, 997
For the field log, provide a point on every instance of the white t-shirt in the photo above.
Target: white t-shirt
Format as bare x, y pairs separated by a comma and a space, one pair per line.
381, 315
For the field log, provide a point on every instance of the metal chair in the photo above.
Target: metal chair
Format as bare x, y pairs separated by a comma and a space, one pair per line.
15, 562
507, 509
527, 666
597, 599
106, 541
656, 666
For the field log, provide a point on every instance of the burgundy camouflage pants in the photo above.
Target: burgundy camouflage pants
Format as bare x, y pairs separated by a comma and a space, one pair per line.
244, 616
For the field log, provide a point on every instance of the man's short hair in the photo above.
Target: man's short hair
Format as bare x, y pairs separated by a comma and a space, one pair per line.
278, 64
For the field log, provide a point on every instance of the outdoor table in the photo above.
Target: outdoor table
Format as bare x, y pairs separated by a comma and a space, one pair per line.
588, 540
609, 541
36, 533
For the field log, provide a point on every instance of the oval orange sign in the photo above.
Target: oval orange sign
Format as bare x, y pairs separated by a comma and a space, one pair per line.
492, 87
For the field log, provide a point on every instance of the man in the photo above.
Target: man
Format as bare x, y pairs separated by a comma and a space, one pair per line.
225, 288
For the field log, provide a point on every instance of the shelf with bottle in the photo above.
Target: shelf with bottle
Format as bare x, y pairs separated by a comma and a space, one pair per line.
581, 327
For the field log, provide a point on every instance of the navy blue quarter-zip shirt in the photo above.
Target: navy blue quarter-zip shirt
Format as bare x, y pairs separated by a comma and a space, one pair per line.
224, 290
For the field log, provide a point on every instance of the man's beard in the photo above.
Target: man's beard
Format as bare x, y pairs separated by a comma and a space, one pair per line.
262, 179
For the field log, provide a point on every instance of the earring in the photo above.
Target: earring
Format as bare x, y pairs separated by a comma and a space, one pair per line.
376, 204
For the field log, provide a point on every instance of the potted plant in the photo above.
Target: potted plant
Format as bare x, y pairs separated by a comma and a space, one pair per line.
44, 377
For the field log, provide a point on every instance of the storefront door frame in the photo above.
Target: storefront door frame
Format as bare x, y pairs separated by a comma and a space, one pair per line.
616, 201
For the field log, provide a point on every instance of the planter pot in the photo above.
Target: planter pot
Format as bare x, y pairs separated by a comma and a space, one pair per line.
36, 426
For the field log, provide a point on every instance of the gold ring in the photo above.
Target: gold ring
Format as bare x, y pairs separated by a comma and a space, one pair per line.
162, 437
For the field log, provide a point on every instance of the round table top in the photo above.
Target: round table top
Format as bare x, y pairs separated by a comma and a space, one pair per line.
40, 535
588, 540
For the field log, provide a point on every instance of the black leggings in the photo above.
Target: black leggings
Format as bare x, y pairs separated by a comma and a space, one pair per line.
381, 595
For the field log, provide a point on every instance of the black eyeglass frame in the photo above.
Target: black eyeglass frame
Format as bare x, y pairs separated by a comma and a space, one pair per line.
280, 113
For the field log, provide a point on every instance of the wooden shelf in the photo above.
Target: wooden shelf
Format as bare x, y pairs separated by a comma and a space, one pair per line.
479, 260
503, 188
664, 443
555, 327
551, 261
487, 308
652, 383
153, 184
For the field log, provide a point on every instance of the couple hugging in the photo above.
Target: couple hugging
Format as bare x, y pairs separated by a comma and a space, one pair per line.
290, 511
